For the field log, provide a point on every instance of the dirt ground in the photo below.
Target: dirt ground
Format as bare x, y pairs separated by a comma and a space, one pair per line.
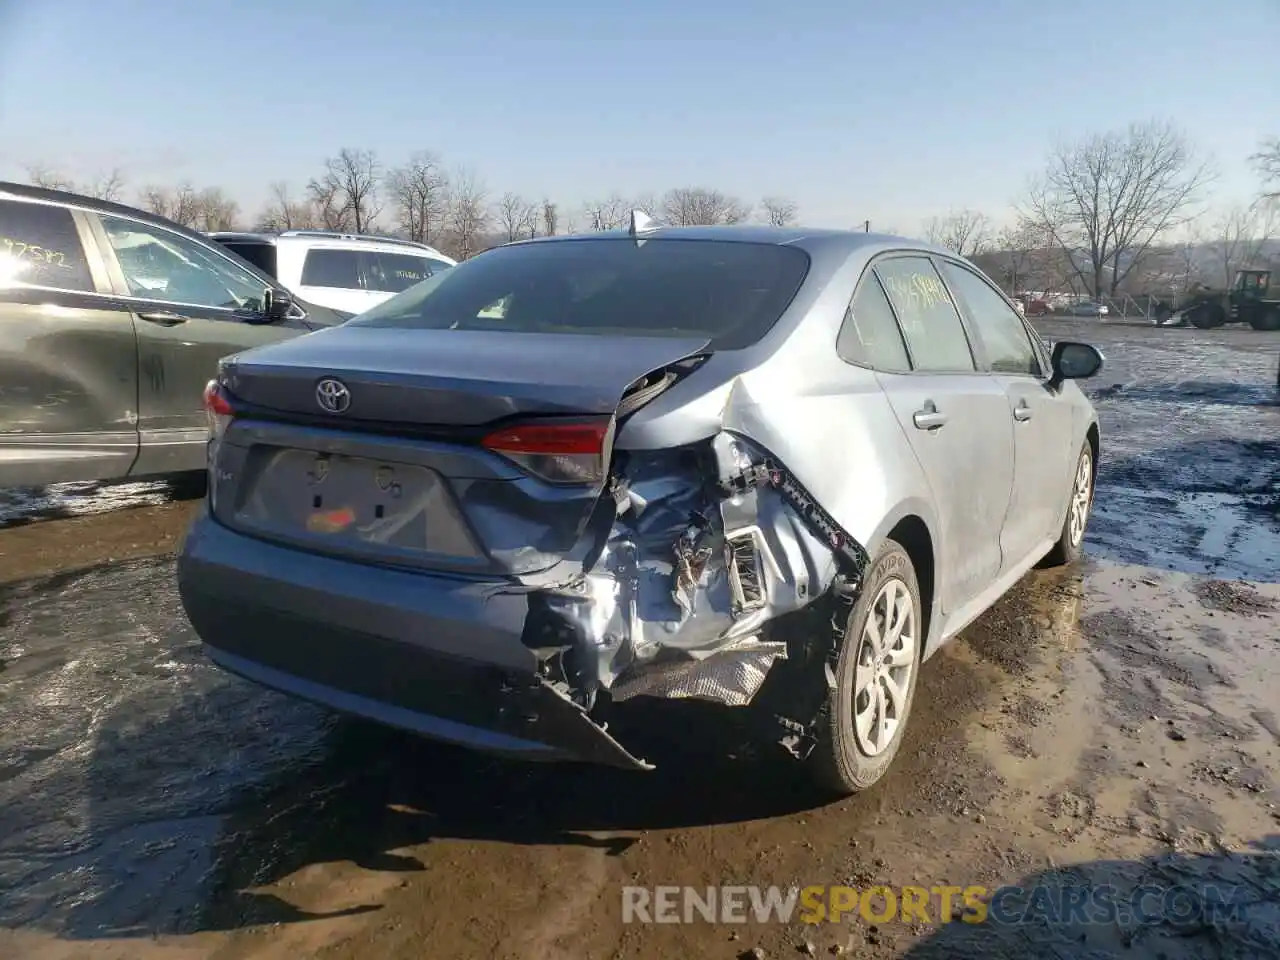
1116, 724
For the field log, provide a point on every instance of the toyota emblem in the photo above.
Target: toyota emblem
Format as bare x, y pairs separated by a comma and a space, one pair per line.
333, 395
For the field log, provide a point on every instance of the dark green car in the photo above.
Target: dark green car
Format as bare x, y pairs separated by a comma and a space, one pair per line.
112, 321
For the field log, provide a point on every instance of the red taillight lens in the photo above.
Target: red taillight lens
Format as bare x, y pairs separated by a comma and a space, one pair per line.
568, 452
217, 408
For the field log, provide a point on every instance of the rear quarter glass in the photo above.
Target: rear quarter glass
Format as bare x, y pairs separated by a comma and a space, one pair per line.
729, 292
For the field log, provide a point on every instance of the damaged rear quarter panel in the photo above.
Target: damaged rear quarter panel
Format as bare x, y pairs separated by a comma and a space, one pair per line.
661, 612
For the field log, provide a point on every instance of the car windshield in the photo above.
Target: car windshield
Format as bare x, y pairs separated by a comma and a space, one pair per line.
730, 292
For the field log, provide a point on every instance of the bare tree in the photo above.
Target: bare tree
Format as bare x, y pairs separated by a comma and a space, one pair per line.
1267, 162
608, 214
1109, 198
967, 232
107, 186
1239, 239
284, 213
550, 218
181, 204
779, 211
347, 192
517, 217
419, 190
468, 216
699, 206
44, 176
217, 211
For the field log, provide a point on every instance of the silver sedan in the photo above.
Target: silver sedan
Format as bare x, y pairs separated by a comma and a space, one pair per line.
772, 468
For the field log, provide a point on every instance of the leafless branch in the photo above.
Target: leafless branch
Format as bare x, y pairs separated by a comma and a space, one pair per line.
1239, 238
181, 204
419, 191
608, 214
517, 217
468, 216
1109, 198
967, 232
1267, 162
284, 213
779, 211
550, 218
346, 194
699, 206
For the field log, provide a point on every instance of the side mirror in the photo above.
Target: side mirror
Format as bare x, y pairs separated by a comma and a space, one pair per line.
1074, 361
276, 304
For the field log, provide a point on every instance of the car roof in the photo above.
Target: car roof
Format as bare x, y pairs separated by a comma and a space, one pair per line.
24, 191
828, 241
328, 239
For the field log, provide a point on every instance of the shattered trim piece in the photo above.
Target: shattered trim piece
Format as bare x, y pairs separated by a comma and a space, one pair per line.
731, 675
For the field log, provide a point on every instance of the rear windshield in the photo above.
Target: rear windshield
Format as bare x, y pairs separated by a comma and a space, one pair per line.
729, 292
261, 255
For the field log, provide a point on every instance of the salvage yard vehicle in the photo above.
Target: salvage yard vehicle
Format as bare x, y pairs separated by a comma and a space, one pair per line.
342, 271
767, 467
1247, 301
111, 323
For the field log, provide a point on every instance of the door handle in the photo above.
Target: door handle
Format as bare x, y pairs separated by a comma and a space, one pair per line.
1022, 412
928, 417
163, 318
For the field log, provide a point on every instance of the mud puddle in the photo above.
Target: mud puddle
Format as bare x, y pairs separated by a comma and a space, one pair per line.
1092, 721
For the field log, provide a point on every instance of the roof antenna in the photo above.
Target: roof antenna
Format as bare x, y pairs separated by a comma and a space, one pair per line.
641, 222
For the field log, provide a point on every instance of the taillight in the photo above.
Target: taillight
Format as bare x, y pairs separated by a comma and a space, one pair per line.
217, 408
560, 452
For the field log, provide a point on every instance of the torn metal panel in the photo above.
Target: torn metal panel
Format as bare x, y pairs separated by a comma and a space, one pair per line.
709, 544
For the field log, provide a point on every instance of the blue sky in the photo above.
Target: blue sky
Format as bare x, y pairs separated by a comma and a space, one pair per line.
891, 111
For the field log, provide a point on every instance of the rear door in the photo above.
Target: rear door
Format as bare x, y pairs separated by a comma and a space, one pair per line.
957, 421
332, 276
386, 274
68, 357
1042, 420
191, 306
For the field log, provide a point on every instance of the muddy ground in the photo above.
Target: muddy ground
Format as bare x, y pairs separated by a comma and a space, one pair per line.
1112, 724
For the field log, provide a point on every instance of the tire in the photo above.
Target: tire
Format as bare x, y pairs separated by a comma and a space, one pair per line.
1206, 316
1070, 545
844, 760
1266, 320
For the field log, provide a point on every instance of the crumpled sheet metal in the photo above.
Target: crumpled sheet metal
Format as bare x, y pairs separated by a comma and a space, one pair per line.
658, 608
730, 675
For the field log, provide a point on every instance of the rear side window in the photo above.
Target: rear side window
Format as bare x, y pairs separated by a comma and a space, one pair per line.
397, 272
1004, 338
339, 269
934, 334
732, 293
39, 245
870, 334
261, 255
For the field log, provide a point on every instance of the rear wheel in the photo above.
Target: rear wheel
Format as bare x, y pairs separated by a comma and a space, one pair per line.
1206, 316
1266, 319
866, 713
1070, 545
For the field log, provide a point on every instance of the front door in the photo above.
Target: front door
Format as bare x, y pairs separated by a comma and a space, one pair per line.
1041, 419
192, 307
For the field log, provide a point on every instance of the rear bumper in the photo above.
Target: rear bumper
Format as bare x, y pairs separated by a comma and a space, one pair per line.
437, 656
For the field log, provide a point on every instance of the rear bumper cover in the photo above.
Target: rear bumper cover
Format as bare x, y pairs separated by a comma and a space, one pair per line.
436, 656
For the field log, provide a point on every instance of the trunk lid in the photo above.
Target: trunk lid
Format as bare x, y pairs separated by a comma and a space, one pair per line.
450, 377
399, 476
